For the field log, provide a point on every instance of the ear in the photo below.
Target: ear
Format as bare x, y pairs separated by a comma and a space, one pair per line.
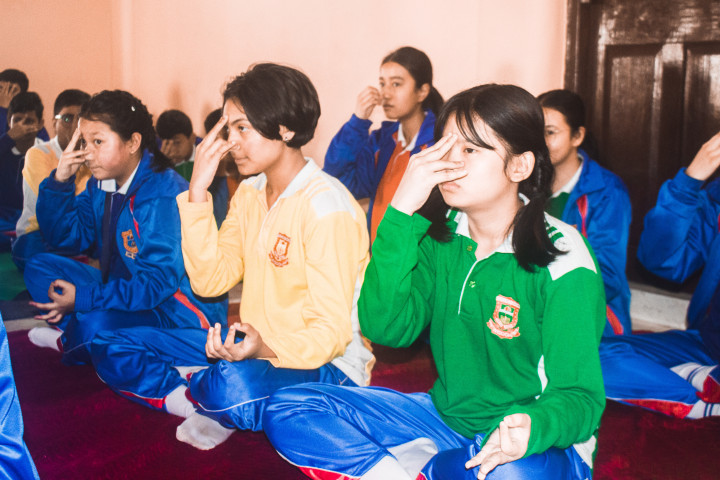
286, 134
135, 142
423, 92
520, 167
578, 137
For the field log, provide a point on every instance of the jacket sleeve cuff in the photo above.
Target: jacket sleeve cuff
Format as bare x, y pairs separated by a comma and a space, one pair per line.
83, 298
416, 223
359, 123
185, 205
51, 183
685, 182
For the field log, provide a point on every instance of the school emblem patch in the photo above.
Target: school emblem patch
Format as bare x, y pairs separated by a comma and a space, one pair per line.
131, 248
278, 255
504, 320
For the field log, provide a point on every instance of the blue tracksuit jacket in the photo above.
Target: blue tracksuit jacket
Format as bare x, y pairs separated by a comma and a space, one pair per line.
681, 236
599, 206
358, 158
148, 241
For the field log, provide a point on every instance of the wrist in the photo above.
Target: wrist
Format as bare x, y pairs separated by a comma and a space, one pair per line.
60, 177
197, 194
402, 208
697, 173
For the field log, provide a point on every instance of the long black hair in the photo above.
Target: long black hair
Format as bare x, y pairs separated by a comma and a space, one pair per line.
417, 63
517, 120
571, 106
125, 115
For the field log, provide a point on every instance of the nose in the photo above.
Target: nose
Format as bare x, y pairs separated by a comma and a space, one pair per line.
454, 152
234, 136
385, 92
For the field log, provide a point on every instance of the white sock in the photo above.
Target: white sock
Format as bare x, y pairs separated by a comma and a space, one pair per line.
186, 371
45, 337
178, 404
412, 456
694, 373
702, 409
202, 432
386, 468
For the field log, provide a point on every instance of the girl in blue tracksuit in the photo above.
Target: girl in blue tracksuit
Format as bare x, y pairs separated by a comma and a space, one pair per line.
128, 212
591, 198
371, 164
676, 372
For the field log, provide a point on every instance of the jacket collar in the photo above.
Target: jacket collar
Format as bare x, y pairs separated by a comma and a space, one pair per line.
296, 184
591, 178
137, 178
426, 133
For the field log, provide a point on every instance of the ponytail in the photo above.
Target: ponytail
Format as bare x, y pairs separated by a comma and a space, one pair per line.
531, 242
433, 102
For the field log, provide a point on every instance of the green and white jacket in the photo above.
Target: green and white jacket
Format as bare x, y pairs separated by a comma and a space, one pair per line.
504, 340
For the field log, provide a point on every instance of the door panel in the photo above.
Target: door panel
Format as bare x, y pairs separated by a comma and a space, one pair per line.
626, 120
702, 97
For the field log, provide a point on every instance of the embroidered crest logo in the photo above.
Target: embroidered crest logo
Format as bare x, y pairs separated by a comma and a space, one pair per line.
278, 255
505, 317
131, 248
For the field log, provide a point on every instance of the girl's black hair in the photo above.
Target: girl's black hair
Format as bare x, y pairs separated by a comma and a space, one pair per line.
517, 120
272, 95
571, 106
418, 65
125, 115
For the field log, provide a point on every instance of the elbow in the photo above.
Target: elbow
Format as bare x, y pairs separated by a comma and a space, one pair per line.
205, 289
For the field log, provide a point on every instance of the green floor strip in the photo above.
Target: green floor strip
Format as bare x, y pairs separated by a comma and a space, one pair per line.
11, 280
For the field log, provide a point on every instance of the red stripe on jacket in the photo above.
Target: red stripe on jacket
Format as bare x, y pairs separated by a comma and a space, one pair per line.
582, 204
180, 297
614, 321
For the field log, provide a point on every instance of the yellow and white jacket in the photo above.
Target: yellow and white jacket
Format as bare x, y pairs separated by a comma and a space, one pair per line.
301, 261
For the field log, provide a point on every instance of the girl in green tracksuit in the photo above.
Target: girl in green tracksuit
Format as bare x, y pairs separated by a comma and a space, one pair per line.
515, 305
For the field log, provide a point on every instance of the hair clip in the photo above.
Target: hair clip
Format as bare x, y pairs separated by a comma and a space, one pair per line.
132, 107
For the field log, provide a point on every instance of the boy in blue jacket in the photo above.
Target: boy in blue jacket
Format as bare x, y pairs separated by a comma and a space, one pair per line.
24, 117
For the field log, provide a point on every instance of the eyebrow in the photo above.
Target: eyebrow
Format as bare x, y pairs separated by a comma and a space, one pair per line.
241, 118
91, 132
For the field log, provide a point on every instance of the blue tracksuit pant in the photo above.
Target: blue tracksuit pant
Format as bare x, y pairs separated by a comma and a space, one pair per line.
334, 432
139, 364
78, 328
636, 369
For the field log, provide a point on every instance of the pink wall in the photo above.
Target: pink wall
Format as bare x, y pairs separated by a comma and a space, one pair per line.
179, 53
59, 45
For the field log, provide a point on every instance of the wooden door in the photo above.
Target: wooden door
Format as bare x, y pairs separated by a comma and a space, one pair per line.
649, 71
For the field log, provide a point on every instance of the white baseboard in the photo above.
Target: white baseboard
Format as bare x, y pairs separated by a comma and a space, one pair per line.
655, 310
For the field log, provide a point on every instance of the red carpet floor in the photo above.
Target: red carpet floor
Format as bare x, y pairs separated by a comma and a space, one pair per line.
76, 428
